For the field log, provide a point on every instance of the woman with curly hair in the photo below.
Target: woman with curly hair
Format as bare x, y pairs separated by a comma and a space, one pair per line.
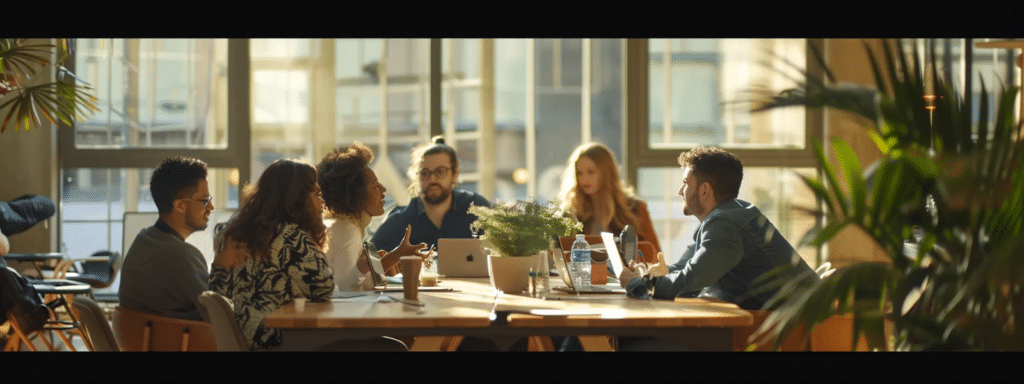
353, 195
593, 194
271, 251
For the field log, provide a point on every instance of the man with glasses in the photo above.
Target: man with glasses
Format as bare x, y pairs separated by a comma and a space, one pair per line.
162, 274
437, 209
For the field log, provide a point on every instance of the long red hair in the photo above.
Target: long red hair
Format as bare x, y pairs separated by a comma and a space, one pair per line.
614, 197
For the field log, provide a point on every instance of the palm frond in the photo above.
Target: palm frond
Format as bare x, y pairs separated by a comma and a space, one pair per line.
54, 101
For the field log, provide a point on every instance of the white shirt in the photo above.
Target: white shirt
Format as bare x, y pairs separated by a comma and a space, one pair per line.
345, 243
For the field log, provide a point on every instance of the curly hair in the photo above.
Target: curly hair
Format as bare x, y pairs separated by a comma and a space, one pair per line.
283, 194
342, 178
175, 178
614, 195
723, 170
435, 146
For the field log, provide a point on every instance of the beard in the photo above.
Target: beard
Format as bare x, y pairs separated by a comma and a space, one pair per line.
693, 207
437, 197
196, 223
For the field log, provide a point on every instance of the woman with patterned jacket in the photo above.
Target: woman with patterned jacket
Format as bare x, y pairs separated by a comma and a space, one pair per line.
272, 251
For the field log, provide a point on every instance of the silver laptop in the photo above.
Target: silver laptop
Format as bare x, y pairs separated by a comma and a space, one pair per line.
566, 274
461, 258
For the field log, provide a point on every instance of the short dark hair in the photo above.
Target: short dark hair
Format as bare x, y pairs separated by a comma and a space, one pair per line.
716, 166
342, 178
175, 178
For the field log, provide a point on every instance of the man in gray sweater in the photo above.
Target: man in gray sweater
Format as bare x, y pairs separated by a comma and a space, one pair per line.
162, 274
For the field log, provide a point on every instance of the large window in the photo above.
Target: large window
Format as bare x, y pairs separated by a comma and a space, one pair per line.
514, 109
157, 98
697, 92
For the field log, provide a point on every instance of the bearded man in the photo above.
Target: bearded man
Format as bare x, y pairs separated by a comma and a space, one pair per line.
436, 210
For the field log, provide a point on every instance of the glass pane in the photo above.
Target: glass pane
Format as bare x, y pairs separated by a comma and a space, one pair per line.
607, 117
280, 48
154, 93
360, 95
94, 201
775, 191
280, 96
695, 86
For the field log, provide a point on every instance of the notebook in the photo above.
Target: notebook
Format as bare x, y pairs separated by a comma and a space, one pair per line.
563, 270
461, 258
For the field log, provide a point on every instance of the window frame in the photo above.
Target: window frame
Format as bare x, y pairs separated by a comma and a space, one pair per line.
639, 152
235, 155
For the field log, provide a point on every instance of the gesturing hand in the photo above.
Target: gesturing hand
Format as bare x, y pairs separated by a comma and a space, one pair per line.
661, 267
406, 249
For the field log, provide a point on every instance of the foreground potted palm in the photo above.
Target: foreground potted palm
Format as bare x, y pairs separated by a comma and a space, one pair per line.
944, 202
27, 94
516, 233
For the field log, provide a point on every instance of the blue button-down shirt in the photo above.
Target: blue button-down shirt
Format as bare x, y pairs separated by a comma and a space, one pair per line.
455, 223
733, 246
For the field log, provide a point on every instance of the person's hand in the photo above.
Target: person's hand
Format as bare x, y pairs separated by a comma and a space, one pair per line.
660, 268
406, 249
630, 272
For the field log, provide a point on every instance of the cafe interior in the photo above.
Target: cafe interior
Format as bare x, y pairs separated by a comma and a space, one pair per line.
513, 109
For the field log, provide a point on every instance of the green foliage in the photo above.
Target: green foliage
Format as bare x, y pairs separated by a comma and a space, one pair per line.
23, 99
955, 188
522, 228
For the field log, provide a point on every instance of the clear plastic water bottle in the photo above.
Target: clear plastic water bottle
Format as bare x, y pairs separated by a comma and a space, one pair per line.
581, 263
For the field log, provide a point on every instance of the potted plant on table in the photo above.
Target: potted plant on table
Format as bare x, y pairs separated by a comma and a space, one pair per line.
516, 232
944, 202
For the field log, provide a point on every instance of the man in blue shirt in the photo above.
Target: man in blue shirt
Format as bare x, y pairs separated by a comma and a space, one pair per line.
733, 246
437, 209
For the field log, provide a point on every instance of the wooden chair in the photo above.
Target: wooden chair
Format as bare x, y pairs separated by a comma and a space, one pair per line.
19, 337
794, 341
136, 331
41, 322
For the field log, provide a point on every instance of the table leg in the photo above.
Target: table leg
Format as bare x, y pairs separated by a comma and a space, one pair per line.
596, 343
435, 343
541, 344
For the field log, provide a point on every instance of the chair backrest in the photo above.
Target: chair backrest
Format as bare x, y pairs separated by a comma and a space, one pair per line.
100, 274
137, 331
794, 341
219, 311
96, 325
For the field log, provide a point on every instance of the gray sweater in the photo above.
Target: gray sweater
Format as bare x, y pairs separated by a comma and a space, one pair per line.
163, 275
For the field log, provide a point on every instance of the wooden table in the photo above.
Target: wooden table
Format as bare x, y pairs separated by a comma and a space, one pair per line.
475, 309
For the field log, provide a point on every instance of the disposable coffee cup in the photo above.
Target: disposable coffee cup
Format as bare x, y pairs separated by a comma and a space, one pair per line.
300, 304
411, 266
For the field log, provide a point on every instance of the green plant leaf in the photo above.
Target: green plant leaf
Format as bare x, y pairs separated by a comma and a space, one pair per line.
854, 180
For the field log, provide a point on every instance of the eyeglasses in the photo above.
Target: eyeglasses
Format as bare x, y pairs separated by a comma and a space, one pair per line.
206, 202
441, 173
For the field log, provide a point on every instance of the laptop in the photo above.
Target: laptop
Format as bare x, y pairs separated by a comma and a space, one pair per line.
461, 258
565, 273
